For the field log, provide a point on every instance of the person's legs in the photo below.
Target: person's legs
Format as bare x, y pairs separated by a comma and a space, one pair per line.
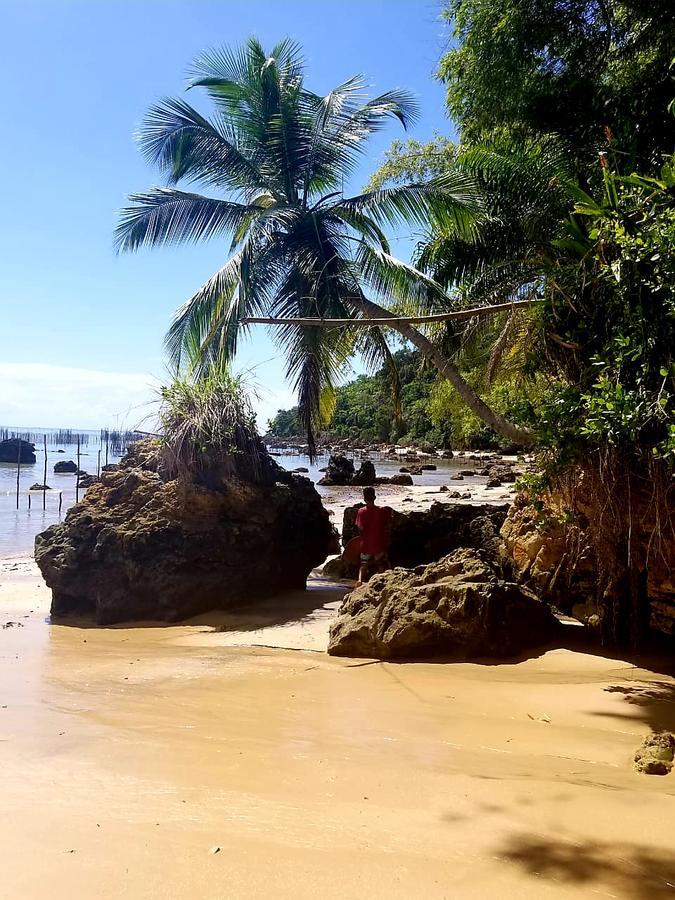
364, 569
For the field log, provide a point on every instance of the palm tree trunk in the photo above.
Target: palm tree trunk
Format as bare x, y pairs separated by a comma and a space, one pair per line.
498, 423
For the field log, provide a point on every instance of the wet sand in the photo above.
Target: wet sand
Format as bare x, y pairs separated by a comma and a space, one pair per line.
128, 755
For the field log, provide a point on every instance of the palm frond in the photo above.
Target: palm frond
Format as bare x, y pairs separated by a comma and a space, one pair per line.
167, 216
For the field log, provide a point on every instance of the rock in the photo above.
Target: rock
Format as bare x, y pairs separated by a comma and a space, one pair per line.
423, 536
447, 454
493, 483
458, 607
337, 569
110, 467
39, 487
141, 546
457, 477
428, 467
655, 756
300, 469
468, 473
14, 448
399, 479
443, 489
503, 473
404, 470
86, 480
65, 466
60, 451
455, 495
339, 471
365, 474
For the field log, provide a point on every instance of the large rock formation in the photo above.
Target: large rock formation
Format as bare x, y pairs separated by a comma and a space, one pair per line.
426, 535
459, 607
601, 548
65, 467
141, 546
13, 448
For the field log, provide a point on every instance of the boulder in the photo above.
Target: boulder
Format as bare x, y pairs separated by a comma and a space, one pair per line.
39, 487
424, 536
458, 607
457, 477
143, 546
65, 466
398, 479
14, 449
339, 471
87, 480
428, 467
365, 474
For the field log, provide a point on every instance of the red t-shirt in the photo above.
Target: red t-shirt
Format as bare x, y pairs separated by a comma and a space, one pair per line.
373, 523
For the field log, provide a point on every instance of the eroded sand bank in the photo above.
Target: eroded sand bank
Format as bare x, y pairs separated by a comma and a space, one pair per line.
128, 754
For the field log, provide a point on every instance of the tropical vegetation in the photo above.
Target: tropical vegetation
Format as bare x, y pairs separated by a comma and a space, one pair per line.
300, 249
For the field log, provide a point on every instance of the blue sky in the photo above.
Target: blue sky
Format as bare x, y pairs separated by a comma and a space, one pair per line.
81, 329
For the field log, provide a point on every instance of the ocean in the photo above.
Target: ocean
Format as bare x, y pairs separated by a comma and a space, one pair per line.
18, 527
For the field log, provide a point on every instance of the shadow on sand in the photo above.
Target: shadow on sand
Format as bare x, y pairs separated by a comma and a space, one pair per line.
628, 870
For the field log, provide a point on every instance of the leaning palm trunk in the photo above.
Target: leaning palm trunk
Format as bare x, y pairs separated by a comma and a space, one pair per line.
446, 368
300, 249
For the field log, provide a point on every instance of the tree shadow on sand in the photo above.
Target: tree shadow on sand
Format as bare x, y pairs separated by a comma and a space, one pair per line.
629, 870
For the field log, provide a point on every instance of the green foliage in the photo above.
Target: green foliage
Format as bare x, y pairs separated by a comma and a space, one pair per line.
619, 324
582, 69
365, 409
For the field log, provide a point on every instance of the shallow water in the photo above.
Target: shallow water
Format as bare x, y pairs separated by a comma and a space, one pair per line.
18, 527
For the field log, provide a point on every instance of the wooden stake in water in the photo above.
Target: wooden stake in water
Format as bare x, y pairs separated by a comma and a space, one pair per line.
44, 478
18, 472
107, 443
77, 478
98, 464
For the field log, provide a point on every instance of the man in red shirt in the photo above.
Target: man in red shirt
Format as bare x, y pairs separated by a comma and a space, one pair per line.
374, 525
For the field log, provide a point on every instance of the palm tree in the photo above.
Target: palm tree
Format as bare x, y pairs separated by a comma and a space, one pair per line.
299, 247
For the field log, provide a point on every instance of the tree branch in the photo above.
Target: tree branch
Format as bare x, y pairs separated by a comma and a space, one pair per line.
392, 320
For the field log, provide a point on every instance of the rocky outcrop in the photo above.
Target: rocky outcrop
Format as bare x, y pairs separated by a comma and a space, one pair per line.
424, 536
65, 467
14, 450
139, 546
339, 471
86, 480
459, 607
572, 547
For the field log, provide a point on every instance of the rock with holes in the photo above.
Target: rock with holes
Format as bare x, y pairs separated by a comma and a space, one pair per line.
460, 607
143, 546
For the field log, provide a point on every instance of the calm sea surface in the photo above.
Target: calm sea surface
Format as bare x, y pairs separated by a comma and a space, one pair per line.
18, 527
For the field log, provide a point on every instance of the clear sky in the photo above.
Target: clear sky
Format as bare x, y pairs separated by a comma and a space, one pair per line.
80, 328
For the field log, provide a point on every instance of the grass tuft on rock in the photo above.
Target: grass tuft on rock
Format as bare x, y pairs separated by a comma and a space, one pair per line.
208, 429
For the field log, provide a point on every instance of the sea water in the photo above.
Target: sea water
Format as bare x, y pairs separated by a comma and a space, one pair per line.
18, 527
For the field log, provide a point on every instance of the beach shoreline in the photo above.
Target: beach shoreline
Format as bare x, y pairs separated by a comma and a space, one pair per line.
230, 756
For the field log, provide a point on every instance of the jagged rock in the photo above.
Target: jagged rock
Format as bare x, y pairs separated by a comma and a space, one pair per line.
655, 756
39, 487
339, 471
457, 607
65, 466
443, 489
493, 483
365, 474
423, 536
87, 480
13, 448
502, 473
110, 467
140, 546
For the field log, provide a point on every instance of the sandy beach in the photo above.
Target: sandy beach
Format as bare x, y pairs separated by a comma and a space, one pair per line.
209, 760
